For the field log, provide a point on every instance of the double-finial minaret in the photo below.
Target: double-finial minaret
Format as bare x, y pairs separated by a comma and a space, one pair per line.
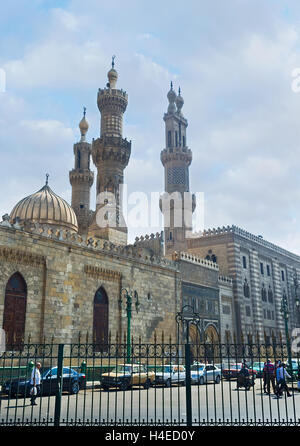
111, 153
81, 178
177, 204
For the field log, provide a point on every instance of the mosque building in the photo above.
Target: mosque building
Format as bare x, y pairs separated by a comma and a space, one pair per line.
62, 273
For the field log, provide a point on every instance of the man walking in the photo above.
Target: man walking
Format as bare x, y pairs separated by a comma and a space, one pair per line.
269, 371
281, 375
35, 383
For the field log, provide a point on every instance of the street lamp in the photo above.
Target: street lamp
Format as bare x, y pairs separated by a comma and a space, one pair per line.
188, 316
285, 313
129, 298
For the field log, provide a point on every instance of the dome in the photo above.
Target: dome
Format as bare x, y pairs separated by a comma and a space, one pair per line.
172, 98
112, 77
179, 102
83, 126
45, 207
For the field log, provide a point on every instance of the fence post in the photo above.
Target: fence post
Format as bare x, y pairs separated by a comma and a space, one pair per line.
188, 393
60, 360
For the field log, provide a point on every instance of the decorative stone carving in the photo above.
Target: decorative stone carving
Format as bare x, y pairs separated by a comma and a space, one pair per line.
18, 256
106, 274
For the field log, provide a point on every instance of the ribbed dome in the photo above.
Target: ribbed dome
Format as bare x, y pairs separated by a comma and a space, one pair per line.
45, 207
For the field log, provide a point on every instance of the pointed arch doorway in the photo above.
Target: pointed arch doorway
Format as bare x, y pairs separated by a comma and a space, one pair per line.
14, 315
100, 320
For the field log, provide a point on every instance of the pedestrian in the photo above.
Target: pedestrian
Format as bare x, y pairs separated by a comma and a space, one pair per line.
269, 370
281, 379
264, 377
35, 383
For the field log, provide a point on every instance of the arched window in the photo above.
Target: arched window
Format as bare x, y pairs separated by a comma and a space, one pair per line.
270, 295
15, 311
78, 159
100, 322
246, 289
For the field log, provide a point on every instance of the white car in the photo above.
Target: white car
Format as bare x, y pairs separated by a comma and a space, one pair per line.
202, 373
170, 374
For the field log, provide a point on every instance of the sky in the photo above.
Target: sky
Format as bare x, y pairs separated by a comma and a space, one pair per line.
232, 59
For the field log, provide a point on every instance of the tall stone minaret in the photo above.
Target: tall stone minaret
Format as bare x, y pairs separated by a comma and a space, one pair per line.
111, 153
81, 178
176, 159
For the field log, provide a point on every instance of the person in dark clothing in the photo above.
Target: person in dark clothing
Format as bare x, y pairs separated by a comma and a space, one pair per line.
269, 371
264, 378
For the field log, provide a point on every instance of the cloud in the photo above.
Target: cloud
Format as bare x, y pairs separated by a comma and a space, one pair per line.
235, 76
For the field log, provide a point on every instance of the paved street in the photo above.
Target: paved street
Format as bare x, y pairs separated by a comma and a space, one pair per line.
156, 405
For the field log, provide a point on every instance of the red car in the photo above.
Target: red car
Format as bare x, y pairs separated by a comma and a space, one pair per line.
233, 370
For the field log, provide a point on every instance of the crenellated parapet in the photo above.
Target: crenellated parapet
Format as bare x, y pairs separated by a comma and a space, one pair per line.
154, 242
182, 154
194, 259
72, 239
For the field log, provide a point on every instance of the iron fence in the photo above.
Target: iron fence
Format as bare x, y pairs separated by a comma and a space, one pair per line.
162, 383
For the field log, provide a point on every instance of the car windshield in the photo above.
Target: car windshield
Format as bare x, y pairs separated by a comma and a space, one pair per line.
258, 364
49, 372
122, 369
235, 367
194, 368
164, 369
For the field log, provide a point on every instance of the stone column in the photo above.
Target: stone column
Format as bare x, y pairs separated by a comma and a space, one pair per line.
256, 295
277, 295
234, 271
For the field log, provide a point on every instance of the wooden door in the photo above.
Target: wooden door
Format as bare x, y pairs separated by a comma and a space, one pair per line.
100, 325
15, 311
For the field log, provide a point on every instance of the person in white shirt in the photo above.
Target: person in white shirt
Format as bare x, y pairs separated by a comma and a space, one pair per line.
35, 383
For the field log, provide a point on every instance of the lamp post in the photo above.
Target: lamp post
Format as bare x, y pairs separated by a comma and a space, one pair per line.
296, 286
187, 316
129, 298
285, 313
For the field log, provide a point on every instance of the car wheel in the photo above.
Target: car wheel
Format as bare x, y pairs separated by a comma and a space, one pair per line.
123, 386
168, 383
218, 379
201, 381
183, 383
106, 388
147, 384
74, 388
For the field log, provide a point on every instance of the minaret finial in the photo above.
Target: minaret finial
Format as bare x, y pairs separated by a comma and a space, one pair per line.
113, 61
171, 85
179, 91
47, 178
84, 111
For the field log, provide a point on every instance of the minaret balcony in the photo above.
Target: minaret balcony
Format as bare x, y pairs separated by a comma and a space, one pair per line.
81, 176
111, 148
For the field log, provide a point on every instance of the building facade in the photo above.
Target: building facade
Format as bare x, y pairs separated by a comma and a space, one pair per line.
62, 273
261, 272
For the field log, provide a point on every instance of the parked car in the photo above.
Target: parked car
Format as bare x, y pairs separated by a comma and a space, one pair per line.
202, 373
124, 376
170, 374
72, 383
258, 367
233, 370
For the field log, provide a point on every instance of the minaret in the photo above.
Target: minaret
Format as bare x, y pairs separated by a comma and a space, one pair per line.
176, 159
81, 178
111, 153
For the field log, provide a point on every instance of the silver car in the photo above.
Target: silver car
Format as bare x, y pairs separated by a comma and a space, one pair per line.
202, 373
170, 374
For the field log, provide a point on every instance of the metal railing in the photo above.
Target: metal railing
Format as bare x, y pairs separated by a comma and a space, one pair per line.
162, 383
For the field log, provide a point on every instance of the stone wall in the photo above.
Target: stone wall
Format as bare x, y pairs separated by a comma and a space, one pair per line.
63, 273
